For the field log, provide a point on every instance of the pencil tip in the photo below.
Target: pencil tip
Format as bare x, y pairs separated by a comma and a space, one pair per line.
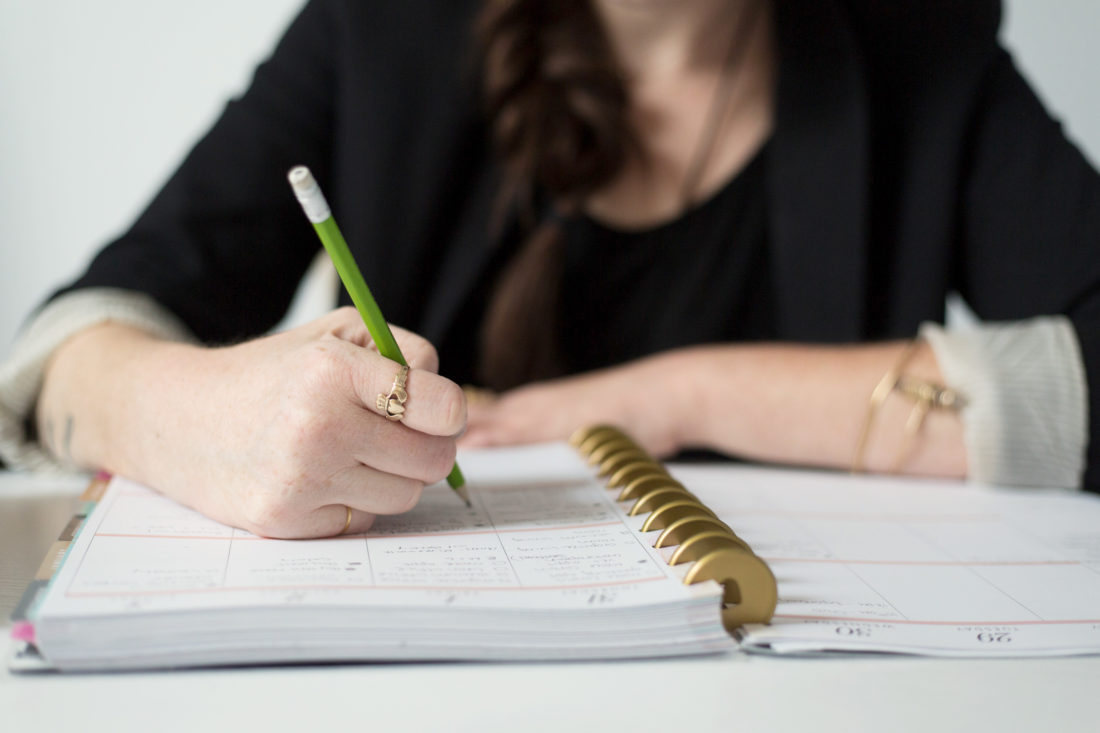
463, 494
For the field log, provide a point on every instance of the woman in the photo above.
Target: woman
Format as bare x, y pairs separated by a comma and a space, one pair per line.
720, 224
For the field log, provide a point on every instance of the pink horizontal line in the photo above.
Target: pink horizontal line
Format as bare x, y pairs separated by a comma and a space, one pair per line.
457, 588
173, 536
366, 535
912, 622
856, 516
922, 562
551, 528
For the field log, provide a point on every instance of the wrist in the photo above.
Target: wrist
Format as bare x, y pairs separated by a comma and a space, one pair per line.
682, 395
153, 406
95, 403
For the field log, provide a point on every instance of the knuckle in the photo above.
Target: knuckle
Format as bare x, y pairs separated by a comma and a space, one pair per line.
346, 314
406, 494
309, 427
265, 515
366, 522
412, 495
318, 367
333, 320
452, 404
438, 463
345, 324
423, 355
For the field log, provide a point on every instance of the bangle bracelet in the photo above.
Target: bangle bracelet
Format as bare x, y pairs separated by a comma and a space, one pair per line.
926, 396
878, 395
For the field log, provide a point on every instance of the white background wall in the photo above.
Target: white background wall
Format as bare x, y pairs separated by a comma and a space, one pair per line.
100, 99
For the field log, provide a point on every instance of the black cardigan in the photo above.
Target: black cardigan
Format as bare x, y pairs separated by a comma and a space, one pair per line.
909, 159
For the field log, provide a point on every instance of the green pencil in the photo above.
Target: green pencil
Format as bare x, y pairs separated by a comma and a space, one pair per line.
317, 211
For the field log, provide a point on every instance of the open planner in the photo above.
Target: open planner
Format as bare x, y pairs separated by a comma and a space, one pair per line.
889, 564
548, 563
583, 552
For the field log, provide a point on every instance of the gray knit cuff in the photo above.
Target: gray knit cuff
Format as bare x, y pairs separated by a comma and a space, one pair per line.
21, 375
1025, 422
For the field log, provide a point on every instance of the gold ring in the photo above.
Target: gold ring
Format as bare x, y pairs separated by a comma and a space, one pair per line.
392, 405
347, 521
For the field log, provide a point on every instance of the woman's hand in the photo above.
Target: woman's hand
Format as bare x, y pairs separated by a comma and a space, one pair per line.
277, 435
645, 397
780, 403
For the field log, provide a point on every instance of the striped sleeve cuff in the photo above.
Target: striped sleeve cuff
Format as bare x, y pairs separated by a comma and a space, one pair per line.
21, 375
1025, 422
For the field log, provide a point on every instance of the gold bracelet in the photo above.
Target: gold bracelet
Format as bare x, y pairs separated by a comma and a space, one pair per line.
926, 396
878, 395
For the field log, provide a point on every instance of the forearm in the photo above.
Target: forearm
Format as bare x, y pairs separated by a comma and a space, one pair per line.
100, 391
808, 405
781, 403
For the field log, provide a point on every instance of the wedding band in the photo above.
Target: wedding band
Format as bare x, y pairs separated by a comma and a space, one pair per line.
392, 405
347, 521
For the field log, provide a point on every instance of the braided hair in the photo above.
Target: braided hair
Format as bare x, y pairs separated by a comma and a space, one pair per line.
557, 108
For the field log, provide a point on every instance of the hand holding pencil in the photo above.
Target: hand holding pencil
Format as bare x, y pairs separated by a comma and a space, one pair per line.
316, 208
282, 435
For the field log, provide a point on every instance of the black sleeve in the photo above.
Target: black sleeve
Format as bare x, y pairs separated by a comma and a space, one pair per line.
1031, 226
224, 244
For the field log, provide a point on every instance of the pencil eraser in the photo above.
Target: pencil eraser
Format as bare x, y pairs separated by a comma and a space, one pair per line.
308, 194
300, 178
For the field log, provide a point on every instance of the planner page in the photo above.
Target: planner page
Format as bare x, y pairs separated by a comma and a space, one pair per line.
918, 566
542, 534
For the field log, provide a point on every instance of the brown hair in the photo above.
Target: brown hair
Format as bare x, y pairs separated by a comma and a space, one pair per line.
557, 109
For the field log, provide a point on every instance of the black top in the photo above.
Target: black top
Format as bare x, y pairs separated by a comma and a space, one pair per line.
701, 278
909, 159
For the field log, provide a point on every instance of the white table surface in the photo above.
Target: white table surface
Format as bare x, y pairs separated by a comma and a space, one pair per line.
736, 692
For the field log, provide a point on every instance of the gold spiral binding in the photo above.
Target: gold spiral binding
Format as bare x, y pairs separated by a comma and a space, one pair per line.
645, 484
750, 592
588, 440
578, 438
614, 453
629, 471
687, 525
664, 515
626, 459
609, 448
696, 546
650, 500
679, 530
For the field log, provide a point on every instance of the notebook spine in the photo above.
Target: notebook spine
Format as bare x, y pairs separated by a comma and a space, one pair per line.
685, 523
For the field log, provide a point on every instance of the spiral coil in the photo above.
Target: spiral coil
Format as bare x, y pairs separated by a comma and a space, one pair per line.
696, 533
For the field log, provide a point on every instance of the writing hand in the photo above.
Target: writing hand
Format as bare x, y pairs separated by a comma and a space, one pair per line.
276, 435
